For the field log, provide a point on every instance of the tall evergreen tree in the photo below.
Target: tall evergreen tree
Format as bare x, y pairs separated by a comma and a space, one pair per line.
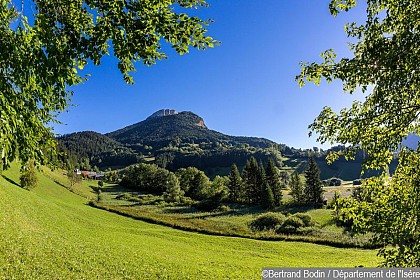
252, 181
313, 188
273, 180
236, 190
297, 188
260, 187
267, 197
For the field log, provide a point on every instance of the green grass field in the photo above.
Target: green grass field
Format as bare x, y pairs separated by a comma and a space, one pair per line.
51, 233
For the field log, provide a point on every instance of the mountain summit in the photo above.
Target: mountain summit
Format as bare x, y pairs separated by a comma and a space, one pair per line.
163, 113
163, 126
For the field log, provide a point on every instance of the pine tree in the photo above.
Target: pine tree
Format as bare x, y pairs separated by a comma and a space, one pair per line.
313, 187
267, 198
297, 188
273, 179
260, 190
236, 191
251, 180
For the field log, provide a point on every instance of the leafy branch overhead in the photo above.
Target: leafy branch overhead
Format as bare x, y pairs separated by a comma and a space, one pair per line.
386, 66
41, 58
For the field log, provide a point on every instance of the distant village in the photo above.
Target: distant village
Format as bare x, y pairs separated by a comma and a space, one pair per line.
90, 174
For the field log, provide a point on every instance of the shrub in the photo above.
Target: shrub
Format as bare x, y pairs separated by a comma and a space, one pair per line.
223, 208
286, 230
207, 205
124, 196
186, 201
307, 230
267, 221
290, 225
305, 218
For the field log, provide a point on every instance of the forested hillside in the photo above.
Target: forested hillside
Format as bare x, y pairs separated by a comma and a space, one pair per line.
182, 140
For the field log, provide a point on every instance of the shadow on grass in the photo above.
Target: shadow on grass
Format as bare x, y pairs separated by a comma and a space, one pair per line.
60, 184
10, 181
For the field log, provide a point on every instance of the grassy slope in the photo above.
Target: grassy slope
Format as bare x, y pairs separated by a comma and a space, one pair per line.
51, 233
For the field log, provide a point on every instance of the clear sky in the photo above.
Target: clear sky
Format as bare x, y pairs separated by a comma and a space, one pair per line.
244, 87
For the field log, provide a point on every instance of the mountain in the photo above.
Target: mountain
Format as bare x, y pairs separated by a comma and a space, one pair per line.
174, 140
160, 130
170, 139
97, 149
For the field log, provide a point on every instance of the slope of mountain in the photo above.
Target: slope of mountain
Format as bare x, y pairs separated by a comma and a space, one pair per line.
98, 149
160, 130
174, 140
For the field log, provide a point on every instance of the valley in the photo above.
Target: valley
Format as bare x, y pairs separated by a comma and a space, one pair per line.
50, 232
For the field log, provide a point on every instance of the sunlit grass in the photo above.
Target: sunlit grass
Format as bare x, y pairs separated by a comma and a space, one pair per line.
50, 233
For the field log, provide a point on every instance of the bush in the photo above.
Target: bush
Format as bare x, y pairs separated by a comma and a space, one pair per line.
223, 208
286, 230
357, 182
305, 218
290, 225
207, 205
186, 201
307, 230
267, 221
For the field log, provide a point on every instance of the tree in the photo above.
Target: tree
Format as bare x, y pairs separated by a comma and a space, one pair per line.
194, 182
267, 197
73, 177
64, 35
173, 192
252, 181
297, 188
28, 178
313, 184
273, 180
236, 191
385, 67
218, 189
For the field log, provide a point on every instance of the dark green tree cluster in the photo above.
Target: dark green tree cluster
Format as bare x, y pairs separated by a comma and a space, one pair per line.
258, 185
186, 182
150, 177
85, 149
194, 183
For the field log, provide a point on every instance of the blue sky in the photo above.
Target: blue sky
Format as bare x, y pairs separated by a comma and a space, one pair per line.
244, 87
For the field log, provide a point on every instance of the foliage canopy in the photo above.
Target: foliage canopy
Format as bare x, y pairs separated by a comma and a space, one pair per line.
386, 60
385, 66
40, 58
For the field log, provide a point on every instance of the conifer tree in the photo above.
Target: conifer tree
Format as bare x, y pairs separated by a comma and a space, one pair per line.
297, 188
313, 187
260, 187
267, 197
236, 191
273, 180
251, 180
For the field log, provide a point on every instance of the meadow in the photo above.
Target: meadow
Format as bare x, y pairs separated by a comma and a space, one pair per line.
52, 233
